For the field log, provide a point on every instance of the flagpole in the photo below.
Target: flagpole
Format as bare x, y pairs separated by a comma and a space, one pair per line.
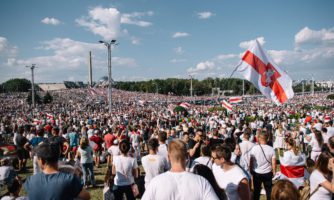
235, 69
243, 87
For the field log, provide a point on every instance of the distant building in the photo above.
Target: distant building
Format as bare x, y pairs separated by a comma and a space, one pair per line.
52, 86
325, 84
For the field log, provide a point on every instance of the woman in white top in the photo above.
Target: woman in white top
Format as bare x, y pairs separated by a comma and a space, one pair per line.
85, 152
125, 169
279, 138
316, 141
321, 179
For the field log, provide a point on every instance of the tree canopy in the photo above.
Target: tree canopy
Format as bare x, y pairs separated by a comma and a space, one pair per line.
16, 85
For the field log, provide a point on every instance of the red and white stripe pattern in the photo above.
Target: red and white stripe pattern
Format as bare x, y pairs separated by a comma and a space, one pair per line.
292, 168
49, 116
268, 78
185, 105
226, 105
235, 100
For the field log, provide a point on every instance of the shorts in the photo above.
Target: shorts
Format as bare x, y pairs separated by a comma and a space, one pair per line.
22, 154
74, 149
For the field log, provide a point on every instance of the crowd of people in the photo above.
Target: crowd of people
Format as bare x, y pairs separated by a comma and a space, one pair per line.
201, 153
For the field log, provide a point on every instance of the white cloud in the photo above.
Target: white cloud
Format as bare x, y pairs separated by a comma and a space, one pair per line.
309, 36
247, 44
204, 15
134, 18
50, 21
180, 34
102, 21
68, 57
177, 60
7, 50
135, 40
179, 50
202, 66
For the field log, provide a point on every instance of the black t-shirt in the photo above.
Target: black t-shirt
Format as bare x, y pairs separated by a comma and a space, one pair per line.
20, 141
59, 141
191, 145
214, 141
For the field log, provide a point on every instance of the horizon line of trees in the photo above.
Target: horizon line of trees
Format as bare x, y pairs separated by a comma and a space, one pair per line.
173, 86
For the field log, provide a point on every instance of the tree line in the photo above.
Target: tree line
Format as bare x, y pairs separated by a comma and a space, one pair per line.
173, 86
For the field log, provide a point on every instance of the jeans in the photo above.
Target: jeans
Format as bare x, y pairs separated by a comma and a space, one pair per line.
120, 190
88, 167
258, 179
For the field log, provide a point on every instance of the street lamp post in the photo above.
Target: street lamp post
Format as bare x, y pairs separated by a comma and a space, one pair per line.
108, 45
32, 67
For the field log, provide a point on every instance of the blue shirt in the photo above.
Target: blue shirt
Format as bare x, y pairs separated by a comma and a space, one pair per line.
74, 138
58, 186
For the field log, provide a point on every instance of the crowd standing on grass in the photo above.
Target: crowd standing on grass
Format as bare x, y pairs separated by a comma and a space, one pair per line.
201, 153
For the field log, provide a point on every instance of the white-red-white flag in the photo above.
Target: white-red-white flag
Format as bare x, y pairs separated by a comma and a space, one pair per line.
292, 168
185, 105
267, 77
235, 100
226, 105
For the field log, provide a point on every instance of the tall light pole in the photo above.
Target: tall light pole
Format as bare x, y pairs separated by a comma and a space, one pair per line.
108, 45
32, 67
243, 87
191, 85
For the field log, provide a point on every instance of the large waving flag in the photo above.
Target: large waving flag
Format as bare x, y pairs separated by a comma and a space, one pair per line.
259, 69
226, 105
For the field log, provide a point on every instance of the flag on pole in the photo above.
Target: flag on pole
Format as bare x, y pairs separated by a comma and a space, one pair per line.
226, 105
258, 68
235, 100
185, 105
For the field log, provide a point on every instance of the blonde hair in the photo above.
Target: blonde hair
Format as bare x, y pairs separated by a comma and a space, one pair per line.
84, 142
177, 150
292, 143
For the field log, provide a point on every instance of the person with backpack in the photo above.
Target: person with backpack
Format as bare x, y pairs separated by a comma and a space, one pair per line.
262, 166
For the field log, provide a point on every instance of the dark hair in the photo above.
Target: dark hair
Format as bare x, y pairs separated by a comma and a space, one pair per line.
223, 151
49, 152
206, 173
124, 146
205, 150
284, 190
153, 144
331, 142
247, 133
40, 132
322, 163
162, 136
318, 137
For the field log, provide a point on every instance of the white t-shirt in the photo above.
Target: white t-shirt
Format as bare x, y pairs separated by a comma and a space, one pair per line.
245, 148
163, 151
179, 186
260, 164
153, 165
124, 166
114, 150
204, 160
229, 180
322, 193
314, 143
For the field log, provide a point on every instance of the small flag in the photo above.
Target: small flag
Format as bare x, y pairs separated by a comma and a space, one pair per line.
185, 105
235, 100
226, 105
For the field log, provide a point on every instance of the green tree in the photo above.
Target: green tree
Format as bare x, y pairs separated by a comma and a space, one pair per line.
38, 99
47, 98
16, 85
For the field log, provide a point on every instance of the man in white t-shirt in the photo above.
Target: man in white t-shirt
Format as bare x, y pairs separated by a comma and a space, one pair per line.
246, 146
177, 183
153, 164
163, 148
229, 176
262, 166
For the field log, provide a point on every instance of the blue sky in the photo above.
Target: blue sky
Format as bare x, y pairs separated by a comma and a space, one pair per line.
162, 39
